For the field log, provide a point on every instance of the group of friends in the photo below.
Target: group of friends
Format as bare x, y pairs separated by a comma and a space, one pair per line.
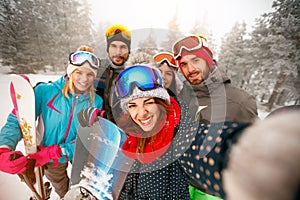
199, 138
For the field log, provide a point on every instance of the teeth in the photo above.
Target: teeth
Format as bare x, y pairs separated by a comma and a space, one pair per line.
83, 84
145, 121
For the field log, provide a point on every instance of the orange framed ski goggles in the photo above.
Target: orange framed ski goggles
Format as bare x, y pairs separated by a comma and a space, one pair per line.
165, 57
118, 29
189, 43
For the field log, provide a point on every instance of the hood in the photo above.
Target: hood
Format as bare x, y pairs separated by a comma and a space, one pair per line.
59, 83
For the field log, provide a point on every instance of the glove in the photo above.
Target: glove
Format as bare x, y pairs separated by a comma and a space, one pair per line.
87, 116
46, 154
9, 165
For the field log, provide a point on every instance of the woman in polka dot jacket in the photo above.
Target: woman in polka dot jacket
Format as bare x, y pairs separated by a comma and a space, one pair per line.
167, 146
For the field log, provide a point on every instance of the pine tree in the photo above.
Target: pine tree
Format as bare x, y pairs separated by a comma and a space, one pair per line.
146, 48
261, 76
173, 34
36, 33
7, 32
284, 31
274, 48
233, 51
100, 39
201, 27
148, 45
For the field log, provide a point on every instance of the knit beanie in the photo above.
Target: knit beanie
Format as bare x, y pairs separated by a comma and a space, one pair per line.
137, 93
118, 33
204, 53
71, 68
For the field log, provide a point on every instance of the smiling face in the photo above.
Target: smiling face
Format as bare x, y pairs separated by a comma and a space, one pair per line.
145, 112
194, 68
83, 78
118, 52
167, 74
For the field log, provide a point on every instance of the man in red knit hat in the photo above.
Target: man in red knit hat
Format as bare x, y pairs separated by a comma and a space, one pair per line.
217, 98
208, 91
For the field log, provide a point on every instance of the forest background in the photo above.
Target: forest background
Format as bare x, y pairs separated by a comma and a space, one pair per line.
37, 37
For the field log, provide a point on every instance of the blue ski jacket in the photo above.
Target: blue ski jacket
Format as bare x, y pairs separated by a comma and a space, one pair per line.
57, 115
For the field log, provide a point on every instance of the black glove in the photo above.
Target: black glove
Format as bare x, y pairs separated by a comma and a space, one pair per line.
87, 116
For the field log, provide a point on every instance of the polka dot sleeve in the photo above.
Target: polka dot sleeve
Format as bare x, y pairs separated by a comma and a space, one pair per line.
208, 154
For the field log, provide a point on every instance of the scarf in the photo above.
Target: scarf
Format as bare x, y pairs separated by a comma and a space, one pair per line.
154, 148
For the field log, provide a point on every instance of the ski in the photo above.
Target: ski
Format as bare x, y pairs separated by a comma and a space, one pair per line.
99, 167
23, 99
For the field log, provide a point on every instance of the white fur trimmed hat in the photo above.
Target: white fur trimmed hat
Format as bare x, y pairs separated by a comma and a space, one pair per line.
137, 93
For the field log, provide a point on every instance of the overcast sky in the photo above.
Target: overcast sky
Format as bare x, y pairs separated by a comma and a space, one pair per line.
220, 14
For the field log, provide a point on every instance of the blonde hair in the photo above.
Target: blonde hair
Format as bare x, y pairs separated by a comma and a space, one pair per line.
85, 48
69, 86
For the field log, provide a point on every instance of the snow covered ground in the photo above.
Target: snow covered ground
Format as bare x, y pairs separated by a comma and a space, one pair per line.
10, 185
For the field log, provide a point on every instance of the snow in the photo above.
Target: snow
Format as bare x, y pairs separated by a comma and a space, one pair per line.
262, 114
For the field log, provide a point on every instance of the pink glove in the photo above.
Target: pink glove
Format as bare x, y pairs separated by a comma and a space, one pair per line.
8, 165
46, 154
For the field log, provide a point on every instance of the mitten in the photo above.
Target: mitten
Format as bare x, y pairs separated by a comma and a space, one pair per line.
46, 154
87, 116
9, 165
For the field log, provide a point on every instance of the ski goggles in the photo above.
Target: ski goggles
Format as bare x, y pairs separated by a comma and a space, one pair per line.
165, 57
118, 29
145, 78
189, 43
78, 58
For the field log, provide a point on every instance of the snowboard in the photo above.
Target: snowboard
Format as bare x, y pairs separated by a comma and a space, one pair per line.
23, 99
99, 167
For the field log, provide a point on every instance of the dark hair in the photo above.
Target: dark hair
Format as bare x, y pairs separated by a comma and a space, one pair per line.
130, 127
172, 90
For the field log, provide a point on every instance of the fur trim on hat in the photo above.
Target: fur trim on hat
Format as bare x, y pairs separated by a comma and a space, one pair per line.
137, 93
71, 68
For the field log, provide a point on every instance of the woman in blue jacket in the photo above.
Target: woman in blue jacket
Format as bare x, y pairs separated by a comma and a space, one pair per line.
56, 105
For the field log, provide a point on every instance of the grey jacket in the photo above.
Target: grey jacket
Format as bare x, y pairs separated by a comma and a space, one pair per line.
216, 100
